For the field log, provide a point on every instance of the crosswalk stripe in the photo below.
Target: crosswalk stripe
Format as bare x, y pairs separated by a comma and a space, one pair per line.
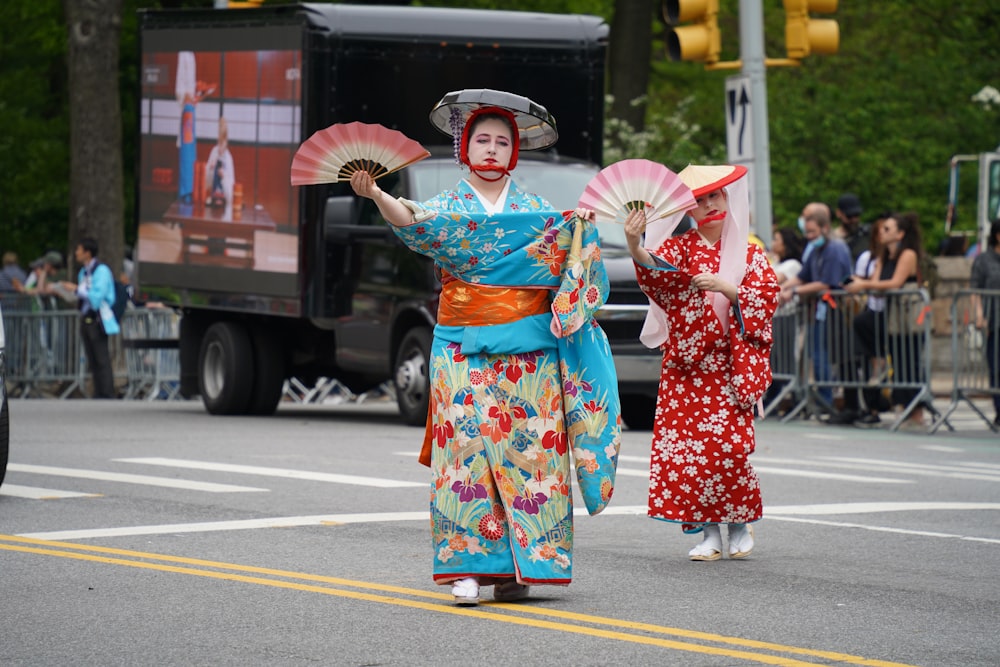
131, 479
274, 472
896, 467
38, 493
905, 467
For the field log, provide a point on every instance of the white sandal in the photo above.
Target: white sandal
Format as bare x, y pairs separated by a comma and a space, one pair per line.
466, 592
710, 548
740, 541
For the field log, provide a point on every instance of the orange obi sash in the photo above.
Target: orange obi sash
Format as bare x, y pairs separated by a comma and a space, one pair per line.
467, 305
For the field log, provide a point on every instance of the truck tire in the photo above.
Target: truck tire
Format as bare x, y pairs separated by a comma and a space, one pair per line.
412, 375
269, 373
638, 412
4, 439
225, 369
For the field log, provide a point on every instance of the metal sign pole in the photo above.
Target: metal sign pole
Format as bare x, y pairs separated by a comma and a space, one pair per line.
754, 68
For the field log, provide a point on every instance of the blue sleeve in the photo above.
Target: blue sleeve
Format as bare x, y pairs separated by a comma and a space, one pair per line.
102, 287
806, 274
837, 265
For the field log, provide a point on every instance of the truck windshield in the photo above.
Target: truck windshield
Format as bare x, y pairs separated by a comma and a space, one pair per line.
561, 183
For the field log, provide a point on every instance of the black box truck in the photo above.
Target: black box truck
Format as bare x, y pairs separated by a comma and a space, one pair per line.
275, 282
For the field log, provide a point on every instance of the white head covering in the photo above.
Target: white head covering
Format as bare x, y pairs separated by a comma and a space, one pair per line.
703, 179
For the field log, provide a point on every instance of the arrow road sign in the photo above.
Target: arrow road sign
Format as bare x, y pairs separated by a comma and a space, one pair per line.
739, 132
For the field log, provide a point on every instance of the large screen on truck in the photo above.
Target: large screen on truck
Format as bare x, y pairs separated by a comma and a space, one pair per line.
218, 128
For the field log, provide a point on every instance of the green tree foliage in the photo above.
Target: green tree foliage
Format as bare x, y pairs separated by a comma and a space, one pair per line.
880, 118
34, 117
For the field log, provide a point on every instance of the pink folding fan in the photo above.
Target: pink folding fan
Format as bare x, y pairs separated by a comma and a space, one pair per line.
630, 184
333, 154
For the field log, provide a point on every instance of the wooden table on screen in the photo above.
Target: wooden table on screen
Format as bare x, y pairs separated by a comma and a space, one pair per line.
227, 240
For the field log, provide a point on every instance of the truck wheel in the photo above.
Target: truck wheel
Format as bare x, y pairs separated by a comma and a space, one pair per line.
269, 373
225, 367
638, 412
4, 439
411, 376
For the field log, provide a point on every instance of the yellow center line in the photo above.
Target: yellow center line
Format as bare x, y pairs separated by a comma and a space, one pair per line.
51, 548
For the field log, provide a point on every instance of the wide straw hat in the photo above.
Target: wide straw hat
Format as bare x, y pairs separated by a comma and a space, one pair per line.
535, 125
703, 179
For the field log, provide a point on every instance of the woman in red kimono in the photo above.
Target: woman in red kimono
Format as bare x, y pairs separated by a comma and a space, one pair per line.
712, 296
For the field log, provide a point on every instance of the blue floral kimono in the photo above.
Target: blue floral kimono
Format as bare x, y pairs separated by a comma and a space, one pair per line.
511, 399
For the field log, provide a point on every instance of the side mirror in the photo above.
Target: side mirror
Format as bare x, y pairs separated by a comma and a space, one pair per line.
338, 212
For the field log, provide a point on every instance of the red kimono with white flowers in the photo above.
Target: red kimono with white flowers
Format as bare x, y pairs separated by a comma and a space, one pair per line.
703, 432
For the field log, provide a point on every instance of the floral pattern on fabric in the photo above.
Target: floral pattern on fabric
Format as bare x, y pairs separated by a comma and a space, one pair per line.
703, 430
511, 402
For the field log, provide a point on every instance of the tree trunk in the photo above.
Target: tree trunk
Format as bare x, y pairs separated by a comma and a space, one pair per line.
629, 59
96, 199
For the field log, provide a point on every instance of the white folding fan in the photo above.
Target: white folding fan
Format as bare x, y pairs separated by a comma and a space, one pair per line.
333, 154
627, 185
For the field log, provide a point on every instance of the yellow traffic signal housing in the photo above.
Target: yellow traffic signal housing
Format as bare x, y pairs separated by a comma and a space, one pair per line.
805, 35
244, 4
699, 42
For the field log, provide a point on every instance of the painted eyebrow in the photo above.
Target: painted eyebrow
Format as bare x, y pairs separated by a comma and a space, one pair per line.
487, 135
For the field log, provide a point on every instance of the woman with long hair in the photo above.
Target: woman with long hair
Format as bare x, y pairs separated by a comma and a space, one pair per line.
898, 268
786, 247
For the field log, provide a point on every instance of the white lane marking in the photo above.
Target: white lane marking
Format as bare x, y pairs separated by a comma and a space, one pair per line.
38, 493
209, 526
778, 471
979, 465
831, 475
274, 472
897, 467
869, 508
942, 448
885, 529
776, 513
926, 470
132, 479
633, 472
824, 436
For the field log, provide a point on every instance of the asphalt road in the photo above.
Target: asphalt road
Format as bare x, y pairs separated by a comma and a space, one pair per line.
154, 534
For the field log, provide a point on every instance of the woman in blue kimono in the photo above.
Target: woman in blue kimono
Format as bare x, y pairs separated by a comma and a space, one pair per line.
521, 374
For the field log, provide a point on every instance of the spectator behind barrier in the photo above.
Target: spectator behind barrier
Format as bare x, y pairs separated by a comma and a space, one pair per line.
12, 276
986, 276
828, 263
898, 268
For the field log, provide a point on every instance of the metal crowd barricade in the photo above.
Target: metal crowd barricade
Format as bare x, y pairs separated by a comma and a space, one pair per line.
149, 344
45, 354
786, 355
43, 348
833, 360
975, 349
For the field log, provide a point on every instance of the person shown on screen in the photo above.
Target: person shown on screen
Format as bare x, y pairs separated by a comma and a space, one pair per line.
220, 173
189, 91
521, 374
713, 295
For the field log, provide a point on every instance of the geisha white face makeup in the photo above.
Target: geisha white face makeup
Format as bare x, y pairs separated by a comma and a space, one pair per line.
490, 144
712, 207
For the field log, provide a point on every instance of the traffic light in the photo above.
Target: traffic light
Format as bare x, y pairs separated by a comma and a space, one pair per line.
804, 35
699, 42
